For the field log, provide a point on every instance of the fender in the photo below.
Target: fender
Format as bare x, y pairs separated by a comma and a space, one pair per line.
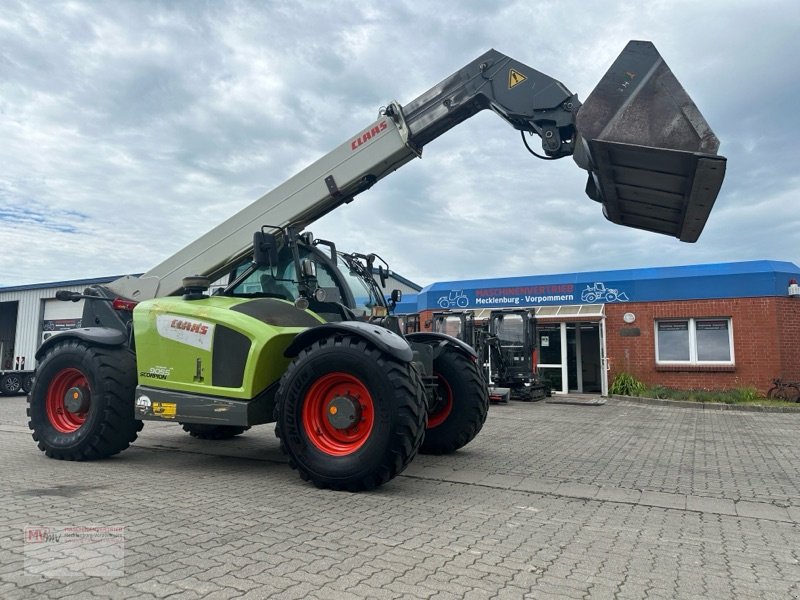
385, 340
440, 340
102, 336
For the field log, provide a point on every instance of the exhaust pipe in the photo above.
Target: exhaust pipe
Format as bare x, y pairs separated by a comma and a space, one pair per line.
651, 156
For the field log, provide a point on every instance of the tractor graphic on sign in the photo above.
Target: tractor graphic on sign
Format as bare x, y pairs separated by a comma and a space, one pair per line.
456, 298
599, 291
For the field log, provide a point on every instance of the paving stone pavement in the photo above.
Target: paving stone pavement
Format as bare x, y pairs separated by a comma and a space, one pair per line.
550, 501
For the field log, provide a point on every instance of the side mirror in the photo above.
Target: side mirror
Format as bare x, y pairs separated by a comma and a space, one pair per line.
307, 238
397, 295
308, 267
330, 245
265, 249
383, 274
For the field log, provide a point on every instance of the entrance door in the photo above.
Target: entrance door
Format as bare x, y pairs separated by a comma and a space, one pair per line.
552, 361
588, 346
8, 332
603, 359
570, 357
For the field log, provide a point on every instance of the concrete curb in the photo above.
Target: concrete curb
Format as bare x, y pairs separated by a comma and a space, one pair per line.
707, 405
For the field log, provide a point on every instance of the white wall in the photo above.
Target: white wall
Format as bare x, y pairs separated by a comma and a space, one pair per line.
29, 318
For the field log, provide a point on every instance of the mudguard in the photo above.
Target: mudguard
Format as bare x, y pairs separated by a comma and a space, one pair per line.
102, 336
384, 339
435, 338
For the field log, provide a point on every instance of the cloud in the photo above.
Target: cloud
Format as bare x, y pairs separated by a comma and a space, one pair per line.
128, 129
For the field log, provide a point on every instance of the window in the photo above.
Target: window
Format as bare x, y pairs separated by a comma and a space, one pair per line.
694, 341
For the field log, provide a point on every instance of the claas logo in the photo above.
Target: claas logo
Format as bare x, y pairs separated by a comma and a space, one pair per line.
368, 135
200, 328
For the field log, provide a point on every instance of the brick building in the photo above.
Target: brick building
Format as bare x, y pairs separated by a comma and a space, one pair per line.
716, 326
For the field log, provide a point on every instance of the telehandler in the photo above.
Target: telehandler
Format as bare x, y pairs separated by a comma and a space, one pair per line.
303, 337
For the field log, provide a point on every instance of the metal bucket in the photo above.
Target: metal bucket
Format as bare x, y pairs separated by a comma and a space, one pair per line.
651, 156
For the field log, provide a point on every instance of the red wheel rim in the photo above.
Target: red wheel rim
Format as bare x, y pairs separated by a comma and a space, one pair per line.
440, 415
60, 418
332, 440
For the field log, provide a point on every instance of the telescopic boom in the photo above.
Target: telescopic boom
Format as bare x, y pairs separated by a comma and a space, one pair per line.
650, 155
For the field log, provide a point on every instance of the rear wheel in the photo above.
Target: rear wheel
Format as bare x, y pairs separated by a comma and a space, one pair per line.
27, 383
349, 416
213, 432
81, 402
785, 392
11, 384
462, 407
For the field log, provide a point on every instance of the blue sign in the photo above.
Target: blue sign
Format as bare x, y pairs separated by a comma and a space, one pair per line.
723, 280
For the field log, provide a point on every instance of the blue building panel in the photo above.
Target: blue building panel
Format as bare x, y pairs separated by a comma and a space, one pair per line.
656, 284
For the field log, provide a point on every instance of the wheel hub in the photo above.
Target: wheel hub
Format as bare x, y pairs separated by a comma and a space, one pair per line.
343, 412
338, 413
76, 400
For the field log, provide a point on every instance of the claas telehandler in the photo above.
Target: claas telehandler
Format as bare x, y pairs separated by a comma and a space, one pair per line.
303, 336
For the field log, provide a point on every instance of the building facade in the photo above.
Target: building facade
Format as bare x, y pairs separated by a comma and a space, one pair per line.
716, 326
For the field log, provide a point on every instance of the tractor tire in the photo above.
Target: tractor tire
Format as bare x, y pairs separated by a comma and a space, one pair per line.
460, 418
348, 415
81, 403
11, 384
213, 432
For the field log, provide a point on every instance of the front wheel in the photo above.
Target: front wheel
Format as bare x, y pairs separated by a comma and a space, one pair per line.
11, 384
349, 416
81, 402
462, 407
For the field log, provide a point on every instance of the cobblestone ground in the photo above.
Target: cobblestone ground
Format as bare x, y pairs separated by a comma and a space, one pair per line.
550, 501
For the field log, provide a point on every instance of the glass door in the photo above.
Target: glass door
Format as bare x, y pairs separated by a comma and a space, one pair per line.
572, 357
552, 361
604, 366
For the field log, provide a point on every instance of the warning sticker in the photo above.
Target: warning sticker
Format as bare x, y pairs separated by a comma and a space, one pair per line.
166, 410
515, 78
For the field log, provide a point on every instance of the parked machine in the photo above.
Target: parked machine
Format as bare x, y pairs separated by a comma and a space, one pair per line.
409, 323
458, 324
302, 336
506, 344
511, 343
15, 382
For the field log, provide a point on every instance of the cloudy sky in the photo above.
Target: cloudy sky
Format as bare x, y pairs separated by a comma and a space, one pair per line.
128, 129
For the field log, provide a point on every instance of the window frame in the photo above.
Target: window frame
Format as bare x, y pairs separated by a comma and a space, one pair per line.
692, 331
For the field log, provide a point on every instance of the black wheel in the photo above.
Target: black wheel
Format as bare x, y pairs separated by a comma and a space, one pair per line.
463, 405
795, 394
81, 403
213, 432
784, 392
27, 383
349, 416
11, 384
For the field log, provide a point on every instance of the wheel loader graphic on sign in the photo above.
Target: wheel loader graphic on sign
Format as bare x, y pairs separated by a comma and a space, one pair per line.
599, 291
